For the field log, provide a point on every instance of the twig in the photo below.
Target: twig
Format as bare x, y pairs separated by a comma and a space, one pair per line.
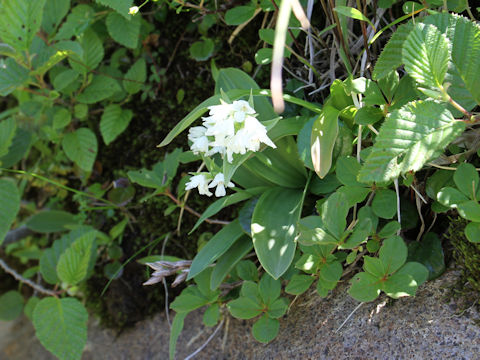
206, 342
193, 212
30, 283
349, 316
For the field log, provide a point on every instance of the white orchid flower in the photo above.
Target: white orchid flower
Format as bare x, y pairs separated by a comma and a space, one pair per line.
219, 182
200, 181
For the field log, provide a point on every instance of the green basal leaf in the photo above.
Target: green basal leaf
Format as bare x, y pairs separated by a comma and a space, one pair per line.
466, 178
410, 137
393, 253
244, 308
61, 326
324, 134
298, 284
273, 232
265, 329
365, 287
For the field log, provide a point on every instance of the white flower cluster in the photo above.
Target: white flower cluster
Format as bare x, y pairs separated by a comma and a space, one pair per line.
229, 129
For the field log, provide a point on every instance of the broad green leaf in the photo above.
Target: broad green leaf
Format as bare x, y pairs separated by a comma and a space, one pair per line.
368, 115
12, 76
466, 178
298, 284
354, 194
20, 144
215, 247
331, 272
310, 232
229, 260
62, 118
114, 121
50, 256
91, 55
469, 210
389, 229
384, 204
466, 54
273, 232
11, 305
202, 50
249, 289
73, 264
7, 133
135, 77
244, 308
347, 169
177, 327
239, 15
416, 270
269, 289
125, 31
61, 326
30, 307
101, 88
20, 20
359, 235
247, 270
472, 232
353, 13
9, 206
393, 253
49, 221
77, 22
64, 79
149, 178
324, 134
265, 329
81, 146
264, 56
53, 14
334, 213
375, 267
365, 287
303, 143
120, 6
426, 54
410, 137
391, 57
54, 59
429, 253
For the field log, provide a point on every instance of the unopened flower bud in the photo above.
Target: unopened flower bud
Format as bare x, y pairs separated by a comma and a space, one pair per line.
133, 10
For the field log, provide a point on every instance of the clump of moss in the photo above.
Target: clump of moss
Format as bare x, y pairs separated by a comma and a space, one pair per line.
465, 254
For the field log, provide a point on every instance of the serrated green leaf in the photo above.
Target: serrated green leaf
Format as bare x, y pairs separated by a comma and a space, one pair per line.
12, 76
120, 6
11, 305
54, 59
466, 54
64, 79
409, 138
114, 121
247, 270
81, 147
331, 272
265, 329
273, 232
125, 31
8, 128
135, 77
426, 55
391, 57
53, 14
190, 299
269, 289
73, 264
20, 20
9, 206
374, 266
61, 326
324, 134
101, 88
399, 285
92, 53
278, 308
49, 221
77, 22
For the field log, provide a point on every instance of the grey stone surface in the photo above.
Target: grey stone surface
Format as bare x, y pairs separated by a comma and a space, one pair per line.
424, 327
